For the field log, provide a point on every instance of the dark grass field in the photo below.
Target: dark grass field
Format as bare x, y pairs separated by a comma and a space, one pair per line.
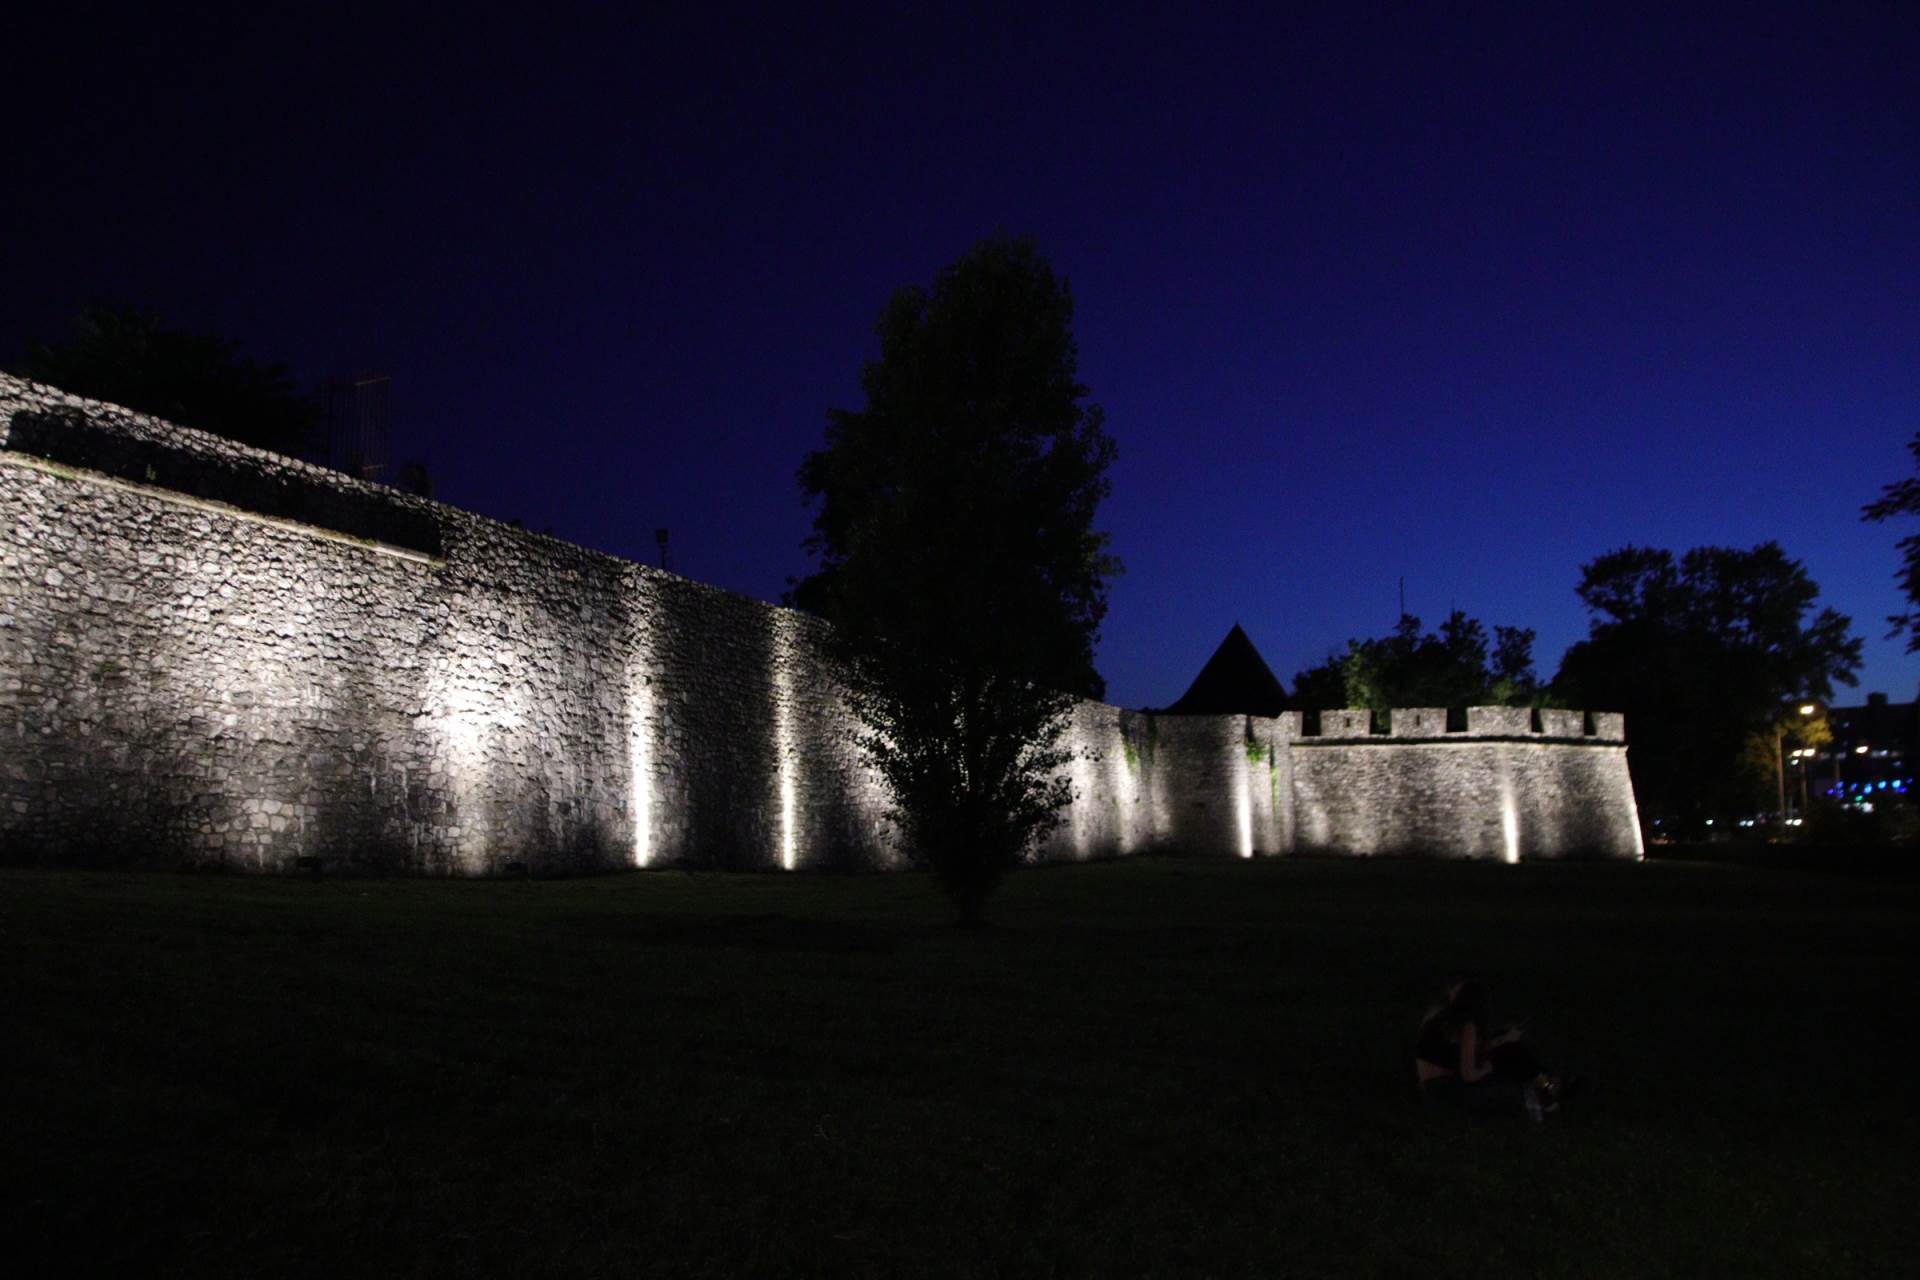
1157, 1067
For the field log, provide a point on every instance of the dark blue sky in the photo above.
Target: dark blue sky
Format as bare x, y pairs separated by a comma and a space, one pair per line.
1365, 294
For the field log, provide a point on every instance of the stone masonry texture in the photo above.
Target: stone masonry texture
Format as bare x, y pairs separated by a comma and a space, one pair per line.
216, 656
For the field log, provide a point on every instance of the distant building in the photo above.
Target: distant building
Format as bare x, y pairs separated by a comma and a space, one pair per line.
1872, 754
1235, 681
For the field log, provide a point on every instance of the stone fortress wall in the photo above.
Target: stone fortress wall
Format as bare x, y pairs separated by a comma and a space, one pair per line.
214, 655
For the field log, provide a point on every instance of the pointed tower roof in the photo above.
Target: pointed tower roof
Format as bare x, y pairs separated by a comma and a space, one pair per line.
1235, 681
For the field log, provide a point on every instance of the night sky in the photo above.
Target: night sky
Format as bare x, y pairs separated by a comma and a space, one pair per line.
1365, 295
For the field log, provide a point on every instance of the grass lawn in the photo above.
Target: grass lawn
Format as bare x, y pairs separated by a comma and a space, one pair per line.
1156, 1067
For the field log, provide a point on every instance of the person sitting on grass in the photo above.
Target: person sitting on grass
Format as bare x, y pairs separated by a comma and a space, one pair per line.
1459, 1066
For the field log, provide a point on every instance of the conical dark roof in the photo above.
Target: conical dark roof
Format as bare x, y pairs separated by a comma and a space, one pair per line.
1235, 681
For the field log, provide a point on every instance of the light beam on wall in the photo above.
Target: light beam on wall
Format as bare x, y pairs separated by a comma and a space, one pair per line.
786, 751
275, 690
1123, 780
789, 855
642, 665
1243, 795
1509, 811
478, 693
1080, 811
640, 764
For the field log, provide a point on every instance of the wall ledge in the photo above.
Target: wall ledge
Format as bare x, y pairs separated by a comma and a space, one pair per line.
173, 497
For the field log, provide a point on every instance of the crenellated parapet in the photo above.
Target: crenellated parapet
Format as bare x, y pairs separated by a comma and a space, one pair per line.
1441, 724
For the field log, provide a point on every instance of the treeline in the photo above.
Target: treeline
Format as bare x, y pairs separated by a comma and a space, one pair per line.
1452, 667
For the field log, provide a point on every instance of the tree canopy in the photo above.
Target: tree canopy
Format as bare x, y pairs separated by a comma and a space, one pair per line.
958, 560
1702, 652
130, 357
1453, 667
1902, 498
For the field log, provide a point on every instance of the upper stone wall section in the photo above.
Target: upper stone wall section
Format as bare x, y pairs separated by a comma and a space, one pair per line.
71, 433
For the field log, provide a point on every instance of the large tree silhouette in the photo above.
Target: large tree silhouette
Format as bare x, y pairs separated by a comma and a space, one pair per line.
130, 357
1902, 498
958, 560
1702, 652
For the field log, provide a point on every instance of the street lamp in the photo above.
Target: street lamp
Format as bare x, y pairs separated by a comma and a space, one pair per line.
1780, 760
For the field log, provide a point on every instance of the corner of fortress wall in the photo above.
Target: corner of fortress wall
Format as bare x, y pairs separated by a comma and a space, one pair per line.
210, 654
1511, 782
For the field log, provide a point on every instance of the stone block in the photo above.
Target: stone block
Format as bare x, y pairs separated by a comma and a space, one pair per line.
1499, 722
1558, 723
1349, 723
1419, 722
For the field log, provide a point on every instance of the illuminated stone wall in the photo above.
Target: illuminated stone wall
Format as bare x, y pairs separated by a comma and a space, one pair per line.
214, 655
1504, 785
186, 679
